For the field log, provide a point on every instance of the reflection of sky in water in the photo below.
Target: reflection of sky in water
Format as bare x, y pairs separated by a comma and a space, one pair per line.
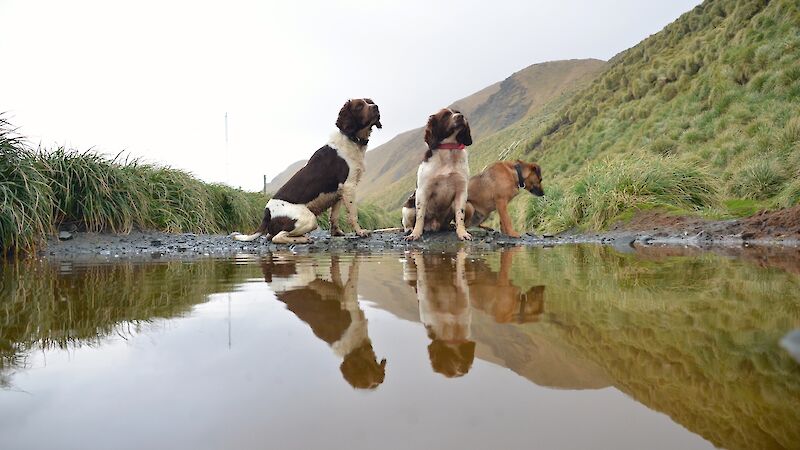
177, 384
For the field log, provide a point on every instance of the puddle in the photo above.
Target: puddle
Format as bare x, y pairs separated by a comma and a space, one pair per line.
565, 347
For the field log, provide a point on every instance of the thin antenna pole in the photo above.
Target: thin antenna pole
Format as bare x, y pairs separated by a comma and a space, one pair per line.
227, 165
229, 320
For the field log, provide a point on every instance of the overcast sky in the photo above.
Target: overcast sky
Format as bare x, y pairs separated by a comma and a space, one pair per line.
155, 78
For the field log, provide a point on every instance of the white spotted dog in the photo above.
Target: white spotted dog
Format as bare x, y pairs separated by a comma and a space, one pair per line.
442, 177
328, 180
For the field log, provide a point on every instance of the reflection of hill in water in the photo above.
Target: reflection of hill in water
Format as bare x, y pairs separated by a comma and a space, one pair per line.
527, 353
695, 338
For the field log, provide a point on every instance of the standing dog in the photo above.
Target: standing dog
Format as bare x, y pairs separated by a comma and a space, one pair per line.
442, 177
328, 179
496, 186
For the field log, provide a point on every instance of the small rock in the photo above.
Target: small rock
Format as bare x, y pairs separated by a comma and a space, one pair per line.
156, 242
64, 236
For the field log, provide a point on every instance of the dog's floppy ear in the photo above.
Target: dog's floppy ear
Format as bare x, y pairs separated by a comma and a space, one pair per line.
464, 136
431, 139
346, 122
537, 170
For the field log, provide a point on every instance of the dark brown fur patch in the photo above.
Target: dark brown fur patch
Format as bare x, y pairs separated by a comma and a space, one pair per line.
323, 173
411, 202
281, 270
356, 115
281, 223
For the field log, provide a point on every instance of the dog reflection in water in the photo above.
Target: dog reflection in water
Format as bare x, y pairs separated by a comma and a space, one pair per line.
444, 309
495, 294
449, 286
330, 307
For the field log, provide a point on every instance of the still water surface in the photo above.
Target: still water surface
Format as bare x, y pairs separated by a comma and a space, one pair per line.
569, 347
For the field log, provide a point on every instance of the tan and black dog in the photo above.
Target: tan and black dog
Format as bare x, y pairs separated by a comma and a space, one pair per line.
328, 180
496, 186
495, 294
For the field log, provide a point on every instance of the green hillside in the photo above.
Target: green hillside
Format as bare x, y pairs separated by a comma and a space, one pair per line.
700, 118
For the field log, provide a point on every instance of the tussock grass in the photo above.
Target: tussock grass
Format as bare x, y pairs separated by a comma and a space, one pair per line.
25, 195
609, 188
97, 193
760, 180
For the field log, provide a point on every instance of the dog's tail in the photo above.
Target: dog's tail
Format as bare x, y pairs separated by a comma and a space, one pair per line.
262, 229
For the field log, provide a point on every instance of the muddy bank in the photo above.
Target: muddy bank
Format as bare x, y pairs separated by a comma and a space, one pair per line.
157, 245
766, 227
779, 229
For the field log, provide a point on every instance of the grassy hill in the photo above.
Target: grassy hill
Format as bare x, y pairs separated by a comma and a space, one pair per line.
489, 110
701, 118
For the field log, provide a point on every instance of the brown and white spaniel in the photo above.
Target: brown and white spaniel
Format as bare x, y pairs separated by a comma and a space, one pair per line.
442, 177
328, 179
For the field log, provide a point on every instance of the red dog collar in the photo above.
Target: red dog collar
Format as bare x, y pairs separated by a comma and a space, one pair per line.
451, 146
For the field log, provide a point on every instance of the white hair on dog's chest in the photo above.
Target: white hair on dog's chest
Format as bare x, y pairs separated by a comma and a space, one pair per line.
352, 154
443, 162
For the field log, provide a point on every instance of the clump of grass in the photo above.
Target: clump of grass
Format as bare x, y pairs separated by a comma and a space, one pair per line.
663, 146
25, 195
611, 187
177, 202
789, 137
759, 180
93, 192
41, 189
790, 195
235, 209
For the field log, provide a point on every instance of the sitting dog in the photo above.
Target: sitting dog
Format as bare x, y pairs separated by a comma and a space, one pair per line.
442, 177
496, 186
328, 179
495, 294
444, 308
330, 307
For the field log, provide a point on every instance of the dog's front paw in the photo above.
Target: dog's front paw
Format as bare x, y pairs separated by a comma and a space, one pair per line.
512, 234
336, 232
463, 235
413, 236
363, 233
